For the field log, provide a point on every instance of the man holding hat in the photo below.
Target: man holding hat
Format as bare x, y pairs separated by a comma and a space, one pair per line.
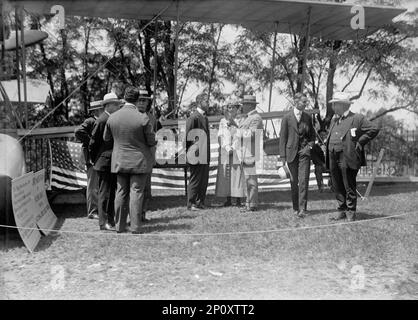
250, 129
349, 133
83, 134
101, 152
132, 159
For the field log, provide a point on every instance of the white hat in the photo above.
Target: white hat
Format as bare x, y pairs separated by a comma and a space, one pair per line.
342, 97
144, 94
249, 99
284, 172
110, 97
96, 105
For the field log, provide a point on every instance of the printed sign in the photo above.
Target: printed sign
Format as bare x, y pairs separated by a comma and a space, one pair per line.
46, 218
25, 210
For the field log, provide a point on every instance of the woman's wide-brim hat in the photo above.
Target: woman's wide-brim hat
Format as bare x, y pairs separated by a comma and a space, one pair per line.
341, 97
249, 99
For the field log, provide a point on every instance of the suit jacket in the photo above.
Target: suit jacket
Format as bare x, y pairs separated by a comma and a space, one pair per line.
198, 121
289, 135
83, 134
356, 129
249, 126
100, 150
133, 138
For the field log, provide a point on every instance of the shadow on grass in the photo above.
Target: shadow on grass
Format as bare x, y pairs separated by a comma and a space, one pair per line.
168, 219
148, 228
368, 216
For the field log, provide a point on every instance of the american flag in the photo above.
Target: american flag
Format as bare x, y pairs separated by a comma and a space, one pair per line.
67, 165
68, 171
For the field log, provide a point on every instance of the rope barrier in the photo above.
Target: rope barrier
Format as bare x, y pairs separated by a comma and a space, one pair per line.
159, 235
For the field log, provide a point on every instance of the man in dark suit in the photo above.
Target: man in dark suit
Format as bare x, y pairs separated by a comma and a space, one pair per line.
349, 133
144, 106
83, 134
198, 155
101, 153
297, 137
132, 159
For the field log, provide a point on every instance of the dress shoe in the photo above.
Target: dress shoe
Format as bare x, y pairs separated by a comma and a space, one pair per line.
302, 213
93, 216
126, 229
351, 215
227, 204
237, 203
144, 218
107, 227
340, 216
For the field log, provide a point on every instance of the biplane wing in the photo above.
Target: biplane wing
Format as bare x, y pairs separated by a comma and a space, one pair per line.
328, 20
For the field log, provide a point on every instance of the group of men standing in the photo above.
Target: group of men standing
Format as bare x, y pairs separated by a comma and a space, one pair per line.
344, 152
119, 148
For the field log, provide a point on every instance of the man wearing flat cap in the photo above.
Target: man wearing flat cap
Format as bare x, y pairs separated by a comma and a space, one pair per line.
101, 152
349, 133
132, 159
83, 133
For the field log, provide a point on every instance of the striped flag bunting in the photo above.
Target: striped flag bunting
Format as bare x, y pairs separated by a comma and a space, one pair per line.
67, 165
68, 171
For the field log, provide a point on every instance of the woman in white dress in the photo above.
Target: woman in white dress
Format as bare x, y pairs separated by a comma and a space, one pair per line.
230, 182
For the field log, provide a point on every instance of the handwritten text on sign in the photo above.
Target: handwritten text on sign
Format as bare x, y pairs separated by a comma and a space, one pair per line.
25, 210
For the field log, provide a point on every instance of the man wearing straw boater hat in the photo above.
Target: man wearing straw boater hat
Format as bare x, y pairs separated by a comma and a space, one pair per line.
83, 134
250, 129
349, 133
101, 152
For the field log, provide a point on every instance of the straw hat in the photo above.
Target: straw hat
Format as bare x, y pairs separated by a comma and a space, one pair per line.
341, 97
249, 99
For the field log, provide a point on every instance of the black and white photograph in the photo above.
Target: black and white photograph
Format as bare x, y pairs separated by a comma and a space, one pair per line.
225, 151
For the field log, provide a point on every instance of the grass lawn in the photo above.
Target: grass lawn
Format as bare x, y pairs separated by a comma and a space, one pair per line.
173, 260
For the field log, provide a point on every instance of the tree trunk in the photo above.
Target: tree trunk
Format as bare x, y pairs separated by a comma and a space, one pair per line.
214, 62
168, 59
84, 88
64, 85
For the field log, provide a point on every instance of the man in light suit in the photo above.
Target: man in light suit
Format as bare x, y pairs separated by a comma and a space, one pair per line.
198, 155
349, 133
250, 130
101, 153
297, 137
83, 134
132, 159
